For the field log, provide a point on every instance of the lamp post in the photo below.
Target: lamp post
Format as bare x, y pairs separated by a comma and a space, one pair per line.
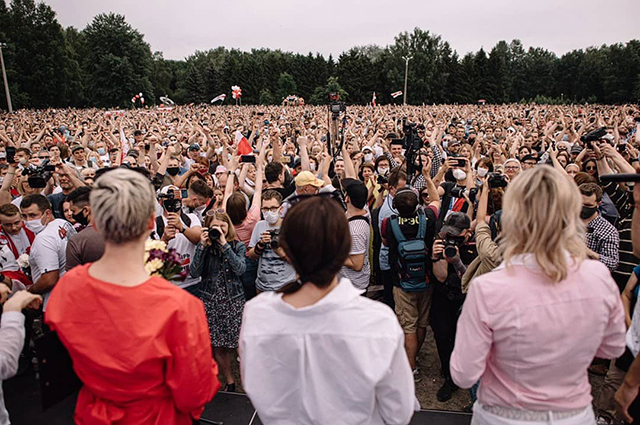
4, 77
406, 73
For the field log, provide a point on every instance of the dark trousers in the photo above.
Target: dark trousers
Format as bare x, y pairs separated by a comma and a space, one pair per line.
386, 280
443, 320
249, 278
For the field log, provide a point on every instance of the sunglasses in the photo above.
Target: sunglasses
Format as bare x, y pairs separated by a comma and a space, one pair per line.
590, 168
424, 195
212, 213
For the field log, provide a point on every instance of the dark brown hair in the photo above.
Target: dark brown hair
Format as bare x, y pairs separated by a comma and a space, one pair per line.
315, 237
237, 208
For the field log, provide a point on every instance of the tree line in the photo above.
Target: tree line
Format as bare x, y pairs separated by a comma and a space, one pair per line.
108, 62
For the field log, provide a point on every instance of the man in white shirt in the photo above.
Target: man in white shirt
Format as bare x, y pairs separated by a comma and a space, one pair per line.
47, 258
179, 231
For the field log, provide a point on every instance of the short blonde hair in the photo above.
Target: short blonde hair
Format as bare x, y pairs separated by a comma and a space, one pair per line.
541, 216
122, 202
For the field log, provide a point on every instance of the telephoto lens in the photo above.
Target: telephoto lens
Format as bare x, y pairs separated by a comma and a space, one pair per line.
214, 234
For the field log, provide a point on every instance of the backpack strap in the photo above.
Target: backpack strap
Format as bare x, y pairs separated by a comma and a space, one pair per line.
185, 219
422, 226
395, 228
160, 223
359, 217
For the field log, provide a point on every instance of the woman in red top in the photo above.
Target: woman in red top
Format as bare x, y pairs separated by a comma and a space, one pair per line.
140, 345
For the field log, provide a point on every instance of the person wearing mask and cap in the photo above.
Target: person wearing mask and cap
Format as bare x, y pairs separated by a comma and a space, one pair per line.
356, 268
367, 153
47, 257
88, 245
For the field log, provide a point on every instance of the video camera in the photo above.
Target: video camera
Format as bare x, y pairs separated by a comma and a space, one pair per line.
458, 192
336, 107
170, 203
39, 176
497, 180
593, 136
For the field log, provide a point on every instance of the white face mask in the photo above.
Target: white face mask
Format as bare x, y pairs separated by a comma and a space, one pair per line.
35, 226
458, 174
368, 157
312, 167
23, 161
271, 217
482, 171
382, 171
269, 158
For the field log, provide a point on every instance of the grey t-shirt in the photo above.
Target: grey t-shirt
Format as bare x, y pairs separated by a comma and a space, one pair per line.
273, 271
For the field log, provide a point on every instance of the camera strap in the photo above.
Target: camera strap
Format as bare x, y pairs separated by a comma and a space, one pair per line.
160, 223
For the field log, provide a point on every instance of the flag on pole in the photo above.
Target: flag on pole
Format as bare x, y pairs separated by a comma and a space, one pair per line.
244, 148
236, 92
221, 97
396, 94
373, 101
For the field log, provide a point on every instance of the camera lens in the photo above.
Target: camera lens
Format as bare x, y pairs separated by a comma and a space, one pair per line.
214, 234
450, 251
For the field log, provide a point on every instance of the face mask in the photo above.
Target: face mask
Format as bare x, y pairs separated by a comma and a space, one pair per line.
219, 151
271, 217
173, 171
587, 212
445, 144
382, 171
368, 157
101, 151
229, 156
458, 174
1, 180
269, 158
35, 226
23, 161
482, 171
312, 167
80, 218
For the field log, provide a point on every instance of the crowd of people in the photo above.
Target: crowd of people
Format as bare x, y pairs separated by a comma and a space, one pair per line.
318, 247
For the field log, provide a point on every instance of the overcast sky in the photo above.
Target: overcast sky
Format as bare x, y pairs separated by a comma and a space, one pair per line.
179, 27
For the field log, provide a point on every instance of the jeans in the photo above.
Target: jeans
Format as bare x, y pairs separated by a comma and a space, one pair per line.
249, 278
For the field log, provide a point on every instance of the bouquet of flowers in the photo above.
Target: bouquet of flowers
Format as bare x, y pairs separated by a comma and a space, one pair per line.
23, 262
162, 261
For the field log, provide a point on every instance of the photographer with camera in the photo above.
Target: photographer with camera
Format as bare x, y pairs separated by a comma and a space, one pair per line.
273, 269
178, 230
409, 236
219, 261
450, 255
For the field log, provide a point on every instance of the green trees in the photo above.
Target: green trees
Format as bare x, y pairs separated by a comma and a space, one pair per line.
117, 63
108, 62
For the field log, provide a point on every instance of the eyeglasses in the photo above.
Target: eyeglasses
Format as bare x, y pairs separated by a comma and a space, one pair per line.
43, 157
514, 168
590, 168
272, 209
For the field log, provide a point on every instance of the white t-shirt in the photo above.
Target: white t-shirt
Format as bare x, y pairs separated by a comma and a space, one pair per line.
8, 262
185, 249
360, 231
21, 241
48, 252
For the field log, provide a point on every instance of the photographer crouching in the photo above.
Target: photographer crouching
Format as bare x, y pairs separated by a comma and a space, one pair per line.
220, 261
450, 255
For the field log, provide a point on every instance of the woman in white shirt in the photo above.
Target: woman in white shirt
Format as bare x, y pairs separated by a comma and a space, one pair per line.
316, 351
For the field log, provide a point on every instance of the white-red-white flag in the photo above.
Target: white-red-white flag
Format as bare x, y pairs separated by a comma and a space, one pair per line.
236, 92
396, 94
221, 97
373, 101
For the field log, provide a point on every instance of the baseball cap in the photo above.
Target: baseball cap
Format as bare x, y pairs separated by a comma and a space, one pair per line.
356, 191
75, 148
367, 148
194, 147
306, 178
456, 223
530, 157
220, 169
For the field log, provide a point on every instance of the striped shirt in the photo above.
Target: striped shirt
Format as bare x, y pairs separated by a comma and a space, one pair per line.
360, 231
623, 200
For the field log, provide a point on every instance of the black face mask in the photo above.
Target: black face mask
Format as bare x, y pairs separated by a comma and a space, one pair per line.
173, 171
80, 218
587, 212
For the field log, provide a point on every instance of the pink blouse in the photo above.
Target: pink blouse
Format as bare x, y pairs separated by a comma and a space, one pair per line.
245, 229
530, 341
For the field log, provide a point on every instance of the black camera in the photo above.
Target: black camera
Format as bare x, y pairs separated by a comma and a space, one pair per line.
170, 203
275, 243
451, 245
39, 176
411, 139
593, 136
457, 192
214, 234
382, 180
335, 107
497, 180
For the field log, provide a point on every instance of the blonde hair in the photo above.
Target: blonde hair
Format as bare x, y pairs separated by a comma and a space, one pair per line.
221, 216
541, 216
122, 203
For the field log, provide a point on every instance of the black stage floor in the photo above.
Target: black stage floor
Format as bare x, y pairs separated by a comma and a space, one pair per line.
22, 399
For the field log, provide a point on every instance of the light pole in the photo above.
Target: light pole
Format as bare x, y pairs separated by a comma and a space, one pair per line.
4, 77
406, 73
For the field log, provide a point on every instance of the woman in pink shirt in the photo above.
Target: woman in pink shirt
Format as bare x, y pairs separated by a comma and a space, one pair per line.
529, 329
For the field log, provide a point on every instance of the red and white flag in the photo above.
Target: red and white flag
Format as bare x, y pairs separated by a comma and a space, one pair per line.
396, 94
236, 92
244, 148
373, 101
221, 97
